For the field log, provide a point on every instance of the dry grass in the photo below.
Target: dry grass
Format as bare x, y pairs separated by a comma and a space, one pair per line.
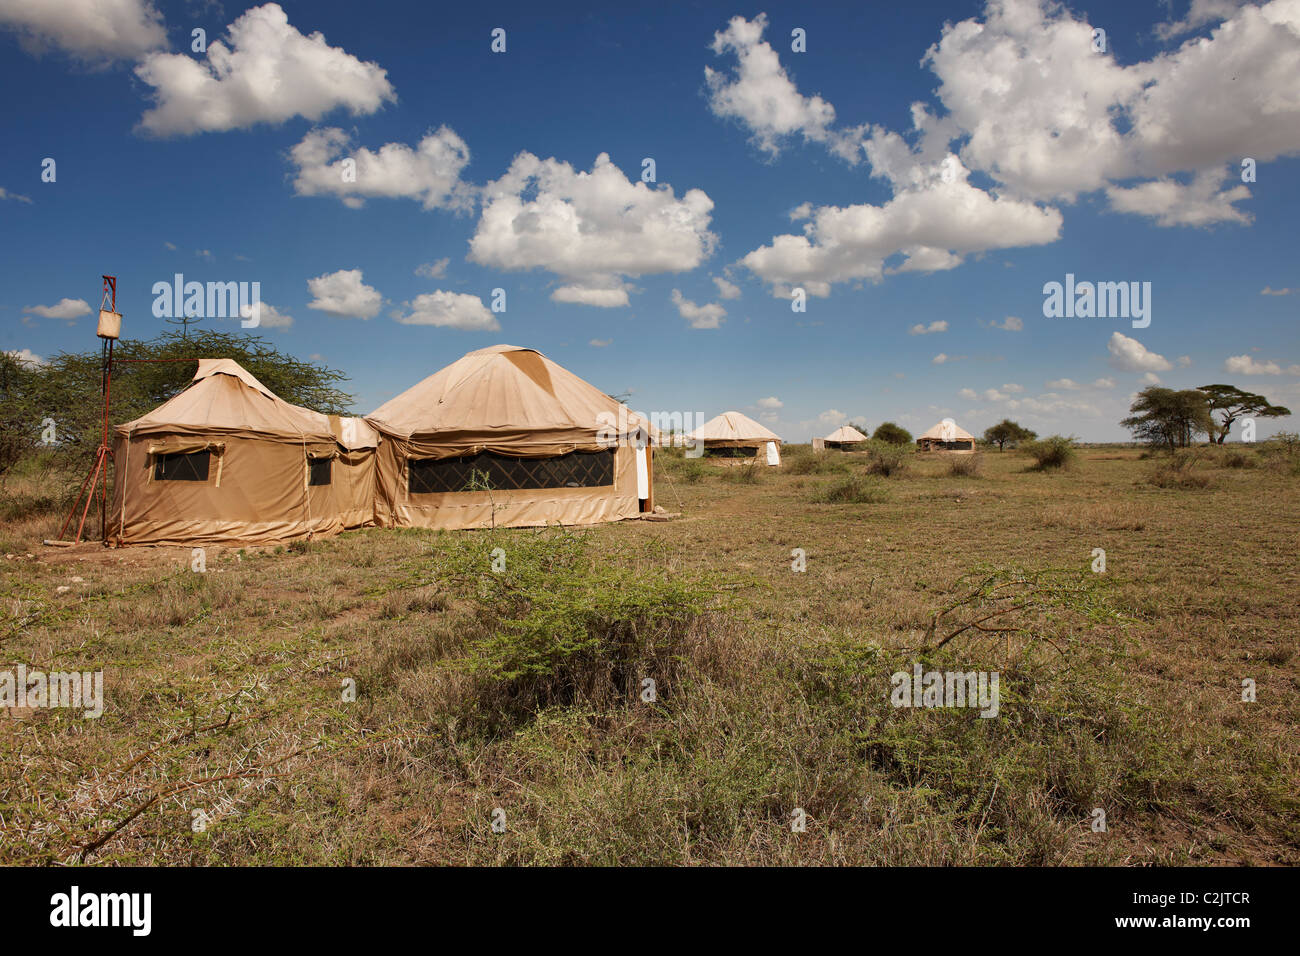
225, 690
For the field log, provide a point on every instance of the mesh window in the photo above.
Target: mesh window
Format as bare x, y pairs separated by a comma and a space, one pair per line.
182, 467
578, 469
729, 453
319, 473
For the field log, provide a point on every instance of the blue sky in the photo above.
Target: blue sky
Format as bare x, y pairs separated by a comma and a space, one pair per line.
922, 235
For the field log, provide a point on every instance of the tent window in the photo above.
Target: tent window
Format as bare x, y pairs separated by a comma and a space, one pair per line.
182, 467
319, 473
577, 469
729, 453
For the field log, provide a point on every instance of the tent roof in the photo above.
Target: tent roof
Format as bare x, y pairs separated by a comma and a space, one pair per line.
733, 426
503, 389
946, 430
225, 396
846, 434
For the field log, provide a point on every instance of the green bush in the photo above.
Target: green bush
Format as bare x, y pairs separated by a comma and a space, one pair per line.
1055, 451
965, 466
851, 490
886, 459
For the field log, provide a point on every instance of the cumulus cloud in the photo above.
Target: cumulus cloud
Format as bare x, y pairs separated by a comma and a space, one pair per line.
265, 72
88, 29
709, 316
1130, 355
726, 290
771, 402
940, 359
63, 309
761, 96
26, 357
938, 325
267, 315
1267, 290
433, 270
343, 294
1245, 365
600, 343
594, 230
1199, 14
452, 310
1010, 324
430, 172
1202, 202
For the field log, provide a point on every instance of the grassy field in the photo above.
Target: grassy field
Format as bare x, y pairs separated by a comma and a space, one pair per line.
519, 697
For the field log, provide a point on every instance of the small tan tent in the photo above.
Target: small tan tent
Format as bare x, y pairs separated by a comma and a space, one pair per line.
843, 436
947, 436
733, 435
228, 461
506, 437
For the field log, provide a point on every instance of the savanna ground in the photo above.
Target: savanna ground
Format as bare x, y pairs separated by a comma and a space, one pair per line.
226, 738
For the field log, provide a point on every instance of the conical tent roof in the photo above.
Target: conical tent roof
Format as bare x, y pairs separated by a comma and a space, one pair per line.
733, 426
504, 391
947, 430
225, 397
845, 434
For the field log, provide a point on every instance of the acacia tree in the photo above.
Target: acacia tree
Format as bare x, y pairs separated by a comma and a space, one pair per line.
1233, 403
889, 432
1163, 416
1007, 431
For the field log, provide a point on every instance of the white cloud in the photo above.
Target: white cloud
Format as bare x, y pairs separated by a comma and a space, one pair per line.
343, 294
600, 343
268, 72
1063, 385
268, 316
1130, 355
1264, 291
726, 290
1202, 202
26, 357
433, 270
1183, 361
969, 394
771, 402
63, 309
832, 416
452, 310
763, 98
1245, 365
1104, 383
937, 326
932, 226
16, 197
89, 29
1151, 378
593, 229
1010, 324
1199, 14
939, 359
430, 172
169, 246
708, 316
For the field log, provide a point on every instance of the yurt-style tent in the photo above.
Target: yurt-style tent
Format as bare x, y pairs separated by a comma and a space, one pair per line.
506, 437
228, 461
733, 435
947, 436
843, 436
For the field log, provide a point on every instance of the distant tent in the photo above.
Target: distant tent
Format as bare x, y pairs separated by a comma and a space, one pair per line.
946, 436
733, 435
229, 461
842, 436
505, 437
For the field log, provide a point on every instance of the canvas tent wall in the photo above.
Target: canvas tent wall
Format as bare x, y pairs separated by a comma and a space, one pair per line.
228, 461
946, 436
844, 436
733, 435
504, 436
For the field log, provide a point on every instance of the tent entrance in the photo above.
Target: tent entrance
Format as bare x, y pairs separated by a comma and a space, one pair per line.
578, 469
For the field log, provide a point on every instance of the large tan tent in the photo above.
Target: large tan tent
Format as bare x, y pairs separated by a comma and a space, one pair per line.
506, 437
947, 436
842, 436
228, 461
733, 435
